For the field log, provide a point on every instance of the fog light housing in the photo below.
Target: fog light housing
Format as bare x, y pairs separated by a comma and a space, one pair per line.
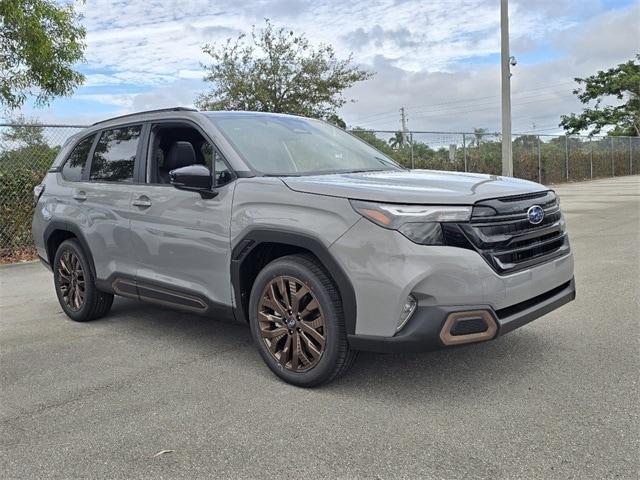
408, 308
467, 327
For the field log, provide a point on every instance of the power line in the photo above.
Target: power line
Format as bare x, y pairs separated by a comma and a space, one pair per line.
462, 109
492, 107
524, 92
545, 129
471, 104
418, 108
526, 97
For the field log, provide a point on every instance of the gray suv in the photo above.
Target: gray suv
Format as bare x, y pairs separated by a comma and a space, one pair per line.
318, 241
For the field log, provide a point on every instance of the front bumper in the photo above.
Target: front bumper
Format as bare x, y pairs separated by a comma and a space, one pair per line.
385, 267
424, 331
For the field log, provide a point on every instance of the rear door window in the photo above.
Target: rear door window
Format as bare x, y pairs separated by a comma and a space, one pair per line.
115, 155
73, 168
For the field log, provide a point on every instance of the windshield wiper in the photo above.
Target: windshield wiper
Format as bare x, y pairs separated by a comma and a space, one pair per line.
283, 174
365, 170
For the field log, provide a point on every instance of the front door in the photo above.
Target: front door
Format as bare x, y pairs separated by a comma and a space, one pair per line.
181, 240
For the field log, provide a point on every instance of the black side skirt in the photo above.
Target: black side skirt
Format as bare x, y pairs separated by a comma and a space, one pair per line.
170, 296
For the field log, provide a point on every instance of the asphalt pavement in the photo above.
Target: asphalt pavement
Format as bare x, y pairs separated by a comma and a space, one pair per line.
148, 392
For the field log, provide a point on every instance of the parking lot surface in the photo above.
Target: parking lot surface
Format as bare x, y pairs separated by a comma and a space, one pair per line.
558, 398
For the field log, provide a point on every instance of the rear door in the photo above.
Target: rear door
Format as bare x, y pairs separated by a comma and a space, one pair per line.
105, 197
181, 239
67, 203
58, 201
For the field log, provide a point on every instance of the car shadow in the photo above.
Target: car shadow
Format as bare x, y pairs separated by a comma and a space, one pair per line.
467, 370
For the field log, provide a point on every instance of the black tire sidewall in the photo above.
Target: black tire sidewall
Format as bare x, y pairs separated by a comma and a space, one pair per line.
333, 317
90, 292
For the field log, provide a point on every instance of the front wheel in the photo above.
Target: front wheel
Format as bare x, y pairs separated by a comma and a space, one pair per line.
297, 321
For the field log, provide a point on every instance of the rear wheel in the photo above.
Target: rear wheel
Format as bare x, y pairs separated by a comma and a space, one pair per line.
75, 284
297, 322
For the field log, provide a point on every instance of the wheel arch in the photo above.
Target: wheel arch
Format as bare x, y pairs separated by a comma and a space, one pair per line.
260, 246
58, 231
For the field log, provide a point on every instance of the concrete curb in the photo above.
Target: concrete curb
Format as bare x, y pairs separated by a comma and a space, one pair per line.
6, 266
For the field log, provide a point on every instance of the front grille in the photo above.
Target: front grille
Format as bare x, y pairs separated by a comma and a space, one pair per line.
501, 232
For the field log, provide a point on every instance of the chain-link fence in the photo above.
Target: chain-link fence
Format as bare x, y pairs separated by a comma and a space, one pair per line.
27, 151
546, 159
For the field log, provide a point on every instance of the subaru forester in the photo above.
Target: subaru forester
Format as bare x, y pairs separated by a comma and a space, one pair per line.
321, 243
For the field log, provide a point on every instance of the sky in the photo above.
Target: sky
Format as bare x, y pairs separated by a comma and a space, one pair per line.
438, 59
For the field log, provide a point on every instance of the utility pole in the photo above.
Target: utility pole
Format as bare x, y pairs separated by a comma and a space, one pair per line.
507, 159
413, 165
403, 121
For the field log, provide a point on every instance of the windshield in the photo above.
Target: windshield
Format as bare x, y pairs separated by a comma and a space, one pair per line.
279, 145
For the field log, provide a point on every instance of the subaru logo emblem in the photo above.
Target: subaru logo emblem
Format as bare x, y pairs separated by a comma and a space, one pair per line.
535, 214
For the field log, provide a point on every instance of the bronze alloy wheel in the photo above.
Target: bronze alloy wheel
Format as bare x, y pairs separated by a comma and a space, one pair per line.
291, 323
72, 281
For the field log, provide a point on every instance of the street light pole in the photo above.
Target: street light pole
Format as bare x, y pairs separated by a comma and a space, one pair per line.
507, 159
403, 122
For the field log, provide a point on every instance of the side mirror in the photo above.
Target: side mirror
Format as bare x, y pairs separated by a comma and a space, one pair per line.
195, 178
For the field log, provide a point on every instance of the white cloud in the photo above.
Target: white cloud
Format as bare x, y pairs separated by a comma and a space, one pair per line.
162, 37
118, 100
469, 95
426, 53
606, 40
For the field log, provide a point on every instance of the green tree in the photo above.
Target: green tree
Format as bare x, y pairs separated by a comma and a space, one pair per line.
40, 40
525, 141
23, 145
337, 121
277, 71
478, 133
25, 157
397, 141
25, 132
621, 82
370, 137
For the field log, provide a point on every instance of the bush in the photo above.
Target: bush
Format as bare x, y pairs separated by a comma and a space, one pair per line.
21, 169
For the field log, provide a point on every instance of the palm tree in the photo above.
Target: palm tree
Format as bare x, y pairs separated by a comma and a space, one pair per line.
479, 133
397, 141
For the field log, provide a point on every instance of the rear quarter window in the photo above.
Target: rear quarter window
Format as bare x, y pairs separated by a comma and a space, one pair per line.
73, 168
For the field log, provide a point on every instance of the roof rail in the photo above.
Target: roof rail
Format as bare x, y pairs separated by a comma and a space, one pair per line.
172, 109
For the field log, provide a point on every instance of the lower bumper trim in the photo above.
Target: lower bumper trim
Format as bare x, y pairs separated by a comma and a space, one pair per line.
422, 333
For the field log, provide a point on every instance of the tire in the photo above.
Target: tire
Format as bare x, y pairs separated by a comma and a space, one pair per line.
71, 272
324, 355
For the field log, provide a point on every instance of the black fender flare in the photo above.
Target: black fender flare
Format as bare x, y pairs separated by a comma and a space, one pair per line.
61, 225
256, 236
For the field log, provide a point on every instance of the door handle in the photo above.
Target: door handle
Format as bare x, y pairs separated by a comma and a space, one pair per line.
80, 196
142, 201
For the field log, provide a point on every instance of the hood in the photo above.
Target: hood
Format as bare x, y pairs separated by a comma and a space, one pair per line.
413, 186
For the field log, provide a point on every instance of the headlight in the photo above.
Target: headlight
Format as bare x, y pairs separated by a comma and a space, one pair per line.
419, 223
